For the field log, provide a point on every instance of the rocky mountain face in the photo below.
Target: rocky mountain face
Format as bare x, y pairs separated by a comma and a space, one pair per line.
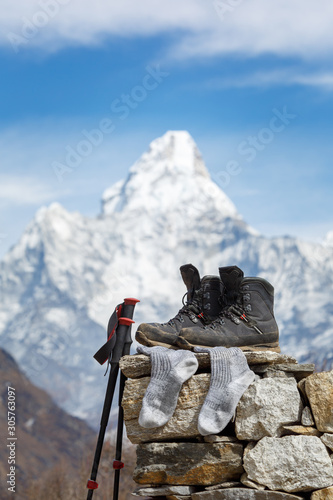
45, 434
61, 282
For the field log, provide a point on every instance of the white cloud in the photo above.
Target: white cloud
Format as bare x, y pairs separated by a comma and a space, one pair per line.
88, 23
298, 28
204, 27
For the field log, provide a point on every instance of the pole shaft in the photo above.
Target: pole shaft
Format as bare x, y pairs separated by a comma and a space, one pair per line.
120, 428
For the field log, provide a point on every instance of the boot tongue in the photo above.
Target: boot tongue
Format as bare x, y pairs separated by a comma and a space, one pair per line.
231, 277
191, 278
212, 289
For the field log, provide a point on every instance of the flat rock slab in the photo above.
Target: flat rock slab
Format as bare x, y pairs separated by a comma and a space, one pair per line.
319, 390
298, 371
218, 438
243, 494
266, 406
184, 422
164, 490
300, 429
189, 464
290, 463
138, 365
227, 484
178, 497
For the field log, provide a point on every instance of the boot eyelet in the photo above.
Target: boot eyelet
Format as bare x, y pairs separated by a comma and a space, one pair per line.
246, 297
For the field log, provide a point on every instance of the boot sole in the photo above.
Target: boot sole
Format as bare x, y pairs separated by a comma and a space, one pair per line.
182, 343
143, 339
272, 346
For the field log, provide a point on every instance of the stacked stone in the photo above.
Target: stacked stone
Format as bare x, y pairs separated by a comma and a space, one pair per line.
279, 445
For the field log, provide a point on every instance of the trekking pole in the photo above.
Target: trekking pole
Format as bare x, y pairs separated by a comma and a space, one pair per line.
118, 344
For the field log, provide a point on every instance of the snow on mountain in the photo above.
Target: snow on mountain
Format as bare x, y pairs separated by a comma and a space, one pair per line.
60, 283
328, 241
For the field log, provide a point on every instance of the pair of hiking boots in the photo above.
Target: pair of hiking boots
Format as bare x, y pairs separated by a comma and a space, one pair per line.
230, 310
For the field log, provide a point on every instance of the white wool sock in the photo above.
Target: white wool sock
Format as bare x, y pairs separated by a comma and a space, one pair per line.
230, 377
169, 370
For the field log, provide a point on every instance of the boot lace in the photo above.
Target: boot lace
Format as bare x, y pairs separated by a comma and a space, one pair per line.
236, 314
190, 309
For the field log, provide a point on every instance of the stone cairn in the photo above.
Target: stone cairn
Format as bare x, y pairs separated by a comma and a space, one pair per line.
278, 446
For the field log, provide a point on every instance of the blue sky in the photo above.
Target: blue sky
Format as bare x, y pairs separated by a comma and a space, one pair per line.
225, 70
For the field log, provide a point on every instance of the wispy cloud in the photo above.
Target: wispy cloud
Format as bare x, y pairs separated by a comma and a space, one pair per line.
268, 78
24, 190
300, 28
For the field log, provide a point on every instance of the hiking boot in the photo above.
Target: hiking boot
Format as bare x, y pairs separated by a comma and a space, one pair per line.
248, 323
203, 305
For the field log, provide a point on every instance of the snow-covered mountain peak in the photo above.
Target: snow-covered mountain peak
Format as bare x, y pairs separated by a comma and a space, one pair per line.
47, 233
175, 153
171, 174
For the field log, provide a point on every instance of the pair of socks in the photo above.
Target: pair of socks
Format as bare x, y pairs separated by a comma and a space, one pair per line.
230, 377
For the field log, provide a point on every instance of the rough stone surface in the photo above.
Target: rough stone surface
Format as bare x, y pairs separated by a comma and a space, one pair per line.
251, 484
327, 439
307, 418
249, 447
266, 406
138, 365
164, 490
324, 494
300, 429
188, 463
244, 494
319, 390
290, 463
182, 425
